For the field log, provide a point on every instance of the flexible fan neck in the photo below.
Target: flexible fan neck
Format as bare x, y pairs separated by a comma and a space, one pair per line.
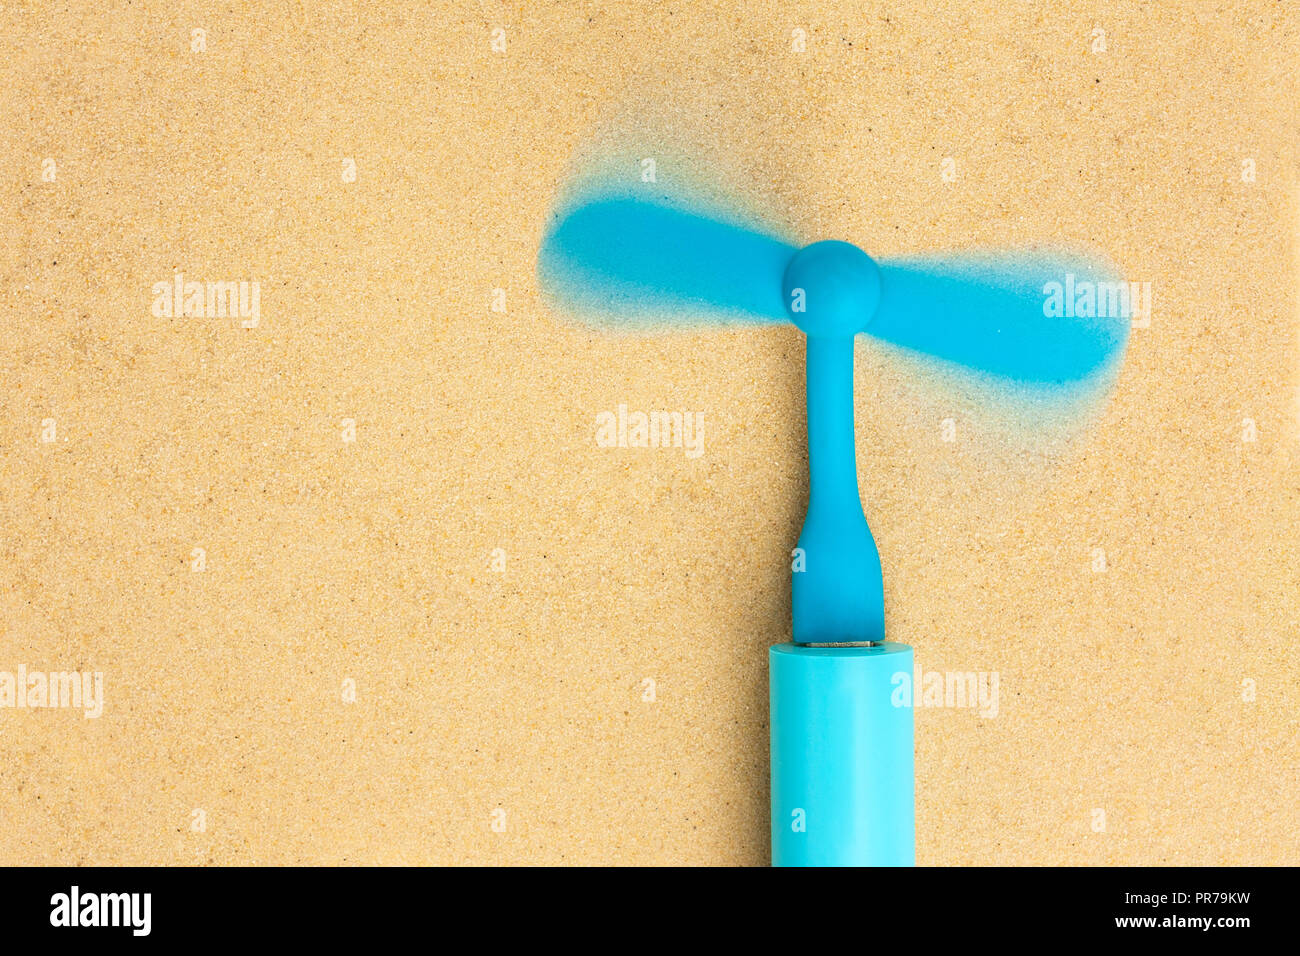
832, 289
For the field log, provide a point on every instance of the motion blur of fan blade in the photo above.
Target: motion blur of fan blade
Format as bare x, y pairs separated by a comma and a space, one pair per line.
631, 263
1011, 317
628, 262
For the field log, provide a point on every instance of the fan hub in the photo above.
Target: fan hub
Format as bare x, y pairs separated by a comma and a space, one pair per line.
831, 288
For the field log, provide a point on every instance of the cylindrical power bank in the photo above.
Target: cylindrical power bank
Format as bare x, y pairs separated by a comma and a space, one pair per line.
843, 790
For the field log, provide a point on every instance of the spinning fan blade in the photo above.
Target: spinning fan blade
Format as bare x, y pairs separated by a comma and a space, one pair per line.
1031, 320
633, 261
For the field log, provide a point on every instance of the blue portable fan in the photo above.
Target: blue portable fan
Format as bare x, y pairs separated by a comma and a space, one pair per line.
841, 751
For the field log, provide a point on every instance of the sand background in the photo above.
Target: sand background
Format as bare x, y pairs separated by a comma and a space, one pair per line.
1162, 691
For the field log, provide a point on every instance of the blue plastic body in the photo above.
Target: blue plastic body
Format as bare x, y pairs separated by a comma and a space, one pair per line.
842, 778
843, 790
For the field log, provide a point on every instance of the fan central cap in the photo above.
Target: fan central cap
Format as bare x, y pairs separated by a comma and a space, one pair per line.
831, 288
